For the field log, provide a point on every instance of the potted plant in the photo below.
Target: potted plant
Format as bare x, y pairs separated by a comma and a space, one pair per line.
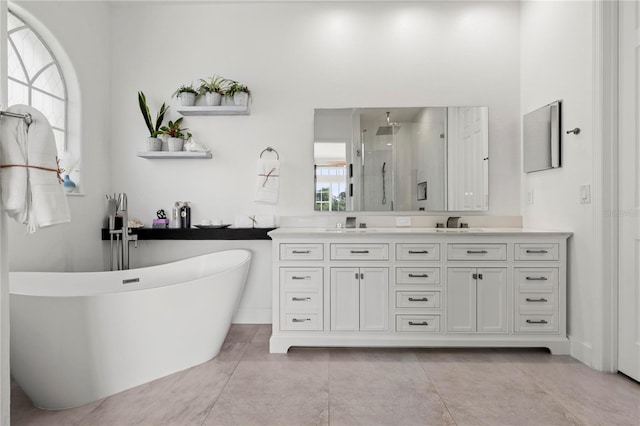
175, 134
186, 94
239, 92
213, 89
153, 142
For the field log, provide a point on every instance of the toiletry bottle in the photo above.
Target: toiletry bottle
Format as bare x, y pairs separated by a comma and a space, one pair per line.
175, 216
185, 215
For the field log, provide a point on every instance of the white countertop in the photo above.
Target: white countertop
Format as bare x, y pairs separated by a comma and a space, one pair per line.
400, 231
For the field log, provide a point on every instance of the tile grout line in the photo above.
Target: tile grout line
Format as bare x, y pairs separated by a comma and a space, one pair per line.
540, 385
436, 389
208, 412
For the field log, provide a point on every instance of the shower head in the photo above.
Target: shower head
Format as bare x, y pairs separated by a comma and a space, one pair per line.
389, 129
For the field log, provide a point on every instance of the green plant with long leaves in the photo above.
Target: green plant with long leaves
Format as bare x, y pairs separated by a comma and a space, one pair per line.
215, 84
173, 129
153, 127
184, 89
236, 87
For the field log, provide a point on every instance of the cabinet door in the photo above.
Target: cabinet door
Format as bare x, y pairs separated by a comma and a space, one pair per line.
345, 298
374, 298
461, 300
492, 300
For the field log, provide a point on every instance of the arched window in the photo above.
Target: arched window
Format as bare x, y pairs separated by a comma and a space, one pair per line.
35, 78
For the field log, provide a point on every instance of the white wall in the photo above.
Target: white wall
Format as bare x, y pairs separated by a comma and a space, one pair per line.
295, 57
557, 63
77, 32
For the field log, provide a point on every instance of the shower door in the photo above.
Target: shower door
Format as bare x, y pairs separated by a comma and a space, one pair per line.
378, 170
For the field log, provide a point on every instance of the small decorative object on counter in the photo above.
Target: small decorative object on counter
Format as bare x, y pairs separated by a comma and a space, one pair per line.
161, 222
174, 223
185, 215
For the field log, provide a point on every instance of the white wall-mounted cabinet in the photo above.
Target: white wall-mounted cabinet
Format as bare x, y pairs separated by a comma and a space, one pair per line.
391, 287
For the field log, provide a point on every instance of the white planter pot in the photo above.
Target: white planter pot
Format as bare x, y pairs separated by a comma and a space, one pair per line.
187, 99
213, 98
175, 144
227, 101
154, 144
241, 98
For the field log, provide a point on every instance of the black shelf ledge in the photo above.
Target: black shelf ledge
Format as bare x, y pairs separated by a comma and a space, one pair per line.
197, 234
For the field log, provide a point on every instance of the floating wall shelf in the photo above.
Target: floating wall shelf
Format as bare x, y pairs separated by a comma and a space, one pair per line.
214, 110
173, 154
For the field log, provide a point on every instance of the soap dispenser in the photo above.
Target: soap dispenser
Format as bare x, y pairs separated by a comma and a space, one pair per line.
185, 215
174, 222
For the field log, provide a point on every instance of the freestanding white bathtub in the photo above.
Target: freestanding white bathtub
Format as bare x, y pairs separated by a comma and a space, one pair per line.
79, 337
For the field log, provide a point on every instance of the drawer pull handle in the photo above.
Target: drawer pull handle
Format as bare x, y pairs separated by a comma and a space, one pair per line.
537, 322
295, 277
418, 251
418, 323
542, 299
537, 251
477, 252
359, 251
300, 319
301, 251
418, 276
536, 278
300, 299
415, 299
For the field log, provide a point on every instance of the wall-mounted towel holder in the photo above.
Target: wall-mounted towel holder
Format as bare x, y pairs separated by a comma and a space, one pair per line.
269, 149
26, 117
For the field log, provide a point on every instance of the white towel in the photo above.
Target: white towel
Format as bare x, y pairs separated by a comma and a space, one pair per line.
268, 181
30, 195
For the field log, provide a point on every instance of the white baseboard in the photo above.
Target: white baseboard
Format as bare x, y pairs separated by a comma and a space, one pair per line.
582, 351
252, 316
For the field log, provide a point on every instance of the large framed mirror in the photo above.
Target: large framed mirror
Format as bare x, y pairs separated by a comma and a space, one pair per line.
401, 159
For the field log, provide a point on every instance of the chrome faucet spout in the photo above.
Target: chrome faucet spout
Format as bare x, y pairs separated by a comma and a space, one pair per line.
452, 221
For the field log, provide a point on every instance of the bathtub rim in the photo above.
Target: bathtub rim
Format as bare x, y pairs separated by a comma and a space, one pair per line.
247, 258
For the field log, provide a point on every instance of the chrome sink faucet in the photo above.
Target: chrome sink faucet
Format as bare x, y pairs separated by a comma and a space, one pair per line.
452, 221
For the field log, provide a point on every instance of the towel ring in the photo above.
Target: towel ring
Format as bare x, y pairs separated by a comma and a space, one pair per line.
269, 149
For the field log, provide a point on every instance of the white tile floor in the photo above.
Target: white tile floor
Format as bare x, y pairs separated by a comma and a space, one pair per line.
245, 385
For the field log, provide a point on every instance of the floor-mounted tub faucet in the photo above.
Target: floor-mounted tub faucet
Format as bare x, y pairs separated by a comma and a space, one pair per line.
121, 260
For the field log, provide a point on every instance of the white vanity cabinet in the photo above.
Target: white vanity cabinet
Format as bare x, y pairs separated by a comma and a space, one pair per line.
477, 300
359, 298
409, 287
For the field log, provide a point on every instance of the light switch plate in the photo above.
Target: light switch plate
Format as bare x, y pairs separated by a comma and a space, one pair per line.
585, 194
403, 221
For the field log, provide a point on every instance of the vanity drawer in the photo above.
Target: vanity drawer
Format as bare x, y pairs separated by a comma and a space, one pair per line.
476, 252
301, 251
537, 323
405, 251
412, 276
359, 251
417, 299
531, 251
535, 280
305, 279
301, 322
418, 323
536, 301
298, 301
